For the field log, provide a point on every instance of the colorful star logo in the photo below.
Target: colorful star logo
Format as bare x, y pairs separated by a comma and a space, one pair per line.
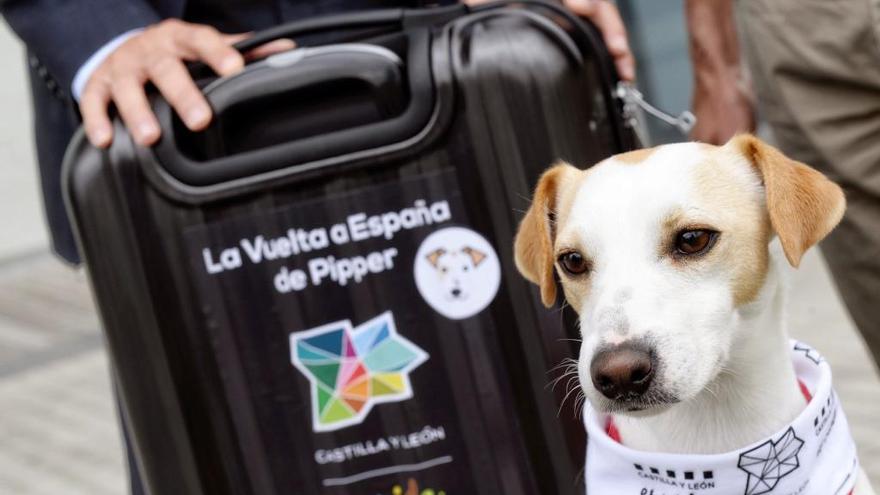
351, 369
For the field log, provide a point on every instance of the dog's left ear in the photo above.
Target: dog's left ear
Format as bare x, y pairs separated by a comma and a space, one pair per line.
804, 206
434, 256
476, 255
533, 247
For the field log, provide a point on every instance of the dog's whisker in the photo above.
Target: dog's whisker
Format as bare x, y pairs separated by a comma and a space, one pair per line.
552, 385
568, 367
564, 368
526, 199
569, 373
562, 306
555, 381
579, 404
558, 366
560, 370
569, 391
709, 387
567, 362
568, 387
729, 371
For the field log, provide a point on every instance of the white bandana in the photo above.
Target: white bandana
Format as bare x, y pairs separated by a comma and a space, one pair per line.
813, 455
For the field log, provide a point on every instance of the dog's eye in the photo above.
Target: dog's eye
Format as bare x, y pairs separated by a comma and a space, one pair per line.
573, 263
691, 242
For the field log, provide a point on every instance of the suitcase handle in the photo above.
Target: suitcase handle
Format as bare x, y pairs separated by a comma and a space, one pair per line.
375, 66
308, 152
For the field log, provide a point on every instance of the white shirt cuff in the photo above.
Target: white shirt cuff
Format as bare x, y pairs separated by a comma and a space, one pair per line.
84, 73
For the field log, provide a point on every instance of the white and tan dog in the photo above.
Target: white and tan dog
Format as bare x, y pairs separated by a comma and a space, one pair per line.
666, 255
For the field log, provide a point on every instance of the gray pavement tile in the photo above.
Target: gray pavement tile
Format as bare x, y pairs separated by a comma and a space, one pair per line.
47, 297
15, 335
19, 188
60, 429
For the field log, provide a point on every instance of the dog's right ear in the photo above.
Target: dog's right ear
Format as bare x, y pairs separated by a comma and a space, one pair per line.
534, 241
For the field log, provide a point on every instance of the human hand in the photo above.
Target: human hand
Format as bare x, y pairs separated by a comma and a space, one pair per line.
723, 107
722, 98
606, 17
157, 55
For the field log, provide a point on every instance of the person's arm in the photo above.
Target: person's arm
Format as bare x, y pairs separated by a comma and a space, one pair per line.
64, 34
722, 100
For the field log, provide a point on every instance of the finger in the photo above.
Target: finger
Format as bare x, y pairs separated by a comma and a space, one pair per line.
131, 101
174, 82
270, 48
261, 51
608, 19
208, 45
585, 8
93, 107
232, 39
626, 67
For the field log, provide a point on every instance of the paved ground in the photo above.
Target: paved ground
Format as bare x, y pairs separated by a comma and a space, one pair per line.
21, 216
57, 422
58, 425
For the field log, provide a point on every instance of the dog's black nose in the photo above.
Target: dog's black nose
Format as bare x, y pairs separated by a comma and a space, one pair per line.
622, 372
456, 292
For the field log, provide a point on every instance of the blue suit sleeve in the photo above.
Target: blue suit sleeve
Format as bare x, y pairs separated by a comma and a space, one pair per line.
63, 34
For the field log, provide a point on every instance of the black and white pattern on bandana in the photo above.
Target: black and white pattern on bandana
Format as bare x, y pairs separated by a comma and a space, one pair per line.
769, 462
673, 474
827, 411
808, 351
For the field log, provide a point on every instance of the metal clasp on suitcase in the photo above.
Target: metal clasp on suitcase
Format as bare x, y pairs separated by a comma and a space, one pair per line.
634, 101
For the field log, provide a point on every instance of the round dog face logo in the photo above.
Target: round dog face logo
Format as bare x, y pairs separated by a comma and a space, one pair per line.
457, 272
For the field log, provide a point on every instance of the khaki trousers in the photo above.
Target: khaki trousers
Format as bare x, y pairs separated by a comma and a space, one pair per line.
816, 70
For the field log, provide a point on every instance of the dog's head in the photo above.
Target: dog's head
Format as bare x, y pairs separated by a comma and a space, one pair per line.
661, 252
455, 269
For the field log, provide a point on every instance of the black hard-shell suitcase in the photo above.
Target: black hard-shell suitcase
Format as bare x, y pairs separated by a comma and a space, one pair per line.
317, 295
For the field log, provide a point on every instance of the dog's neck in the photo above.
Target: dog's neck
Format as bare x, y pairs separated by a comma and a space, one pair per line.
754, 397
